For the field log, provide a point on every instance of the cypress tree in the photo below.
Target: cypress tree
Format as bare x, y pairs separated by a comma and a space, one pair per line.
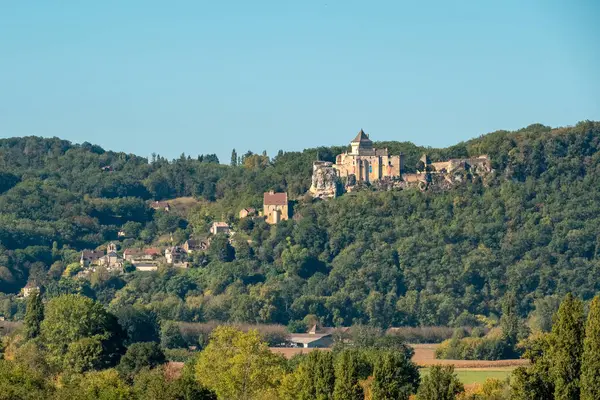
394, 377
567, 348
234, 158
590, 364
347, 375
34, 315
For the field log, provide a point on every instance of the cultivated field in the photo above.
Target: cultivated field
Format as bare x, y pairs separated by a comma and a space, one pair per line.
425, 356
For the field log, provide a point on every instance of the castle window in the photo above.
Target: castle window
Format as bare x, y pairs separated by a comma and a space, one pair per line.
370, 168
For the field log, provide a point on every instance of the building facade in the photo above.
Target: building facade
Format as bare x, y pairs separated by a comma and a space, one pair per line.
366, 163
275, 207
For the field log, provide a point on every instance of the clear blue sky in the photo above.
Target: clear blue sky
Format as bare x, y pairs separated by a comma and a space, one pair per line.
206, 76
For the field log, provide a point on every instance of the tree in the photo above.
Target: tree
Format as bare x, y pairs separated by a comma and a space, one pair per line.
394, 376
34, 315
316, 376
234, 158
534, 382
238, 365
566, 348
17, 382
106, 385
510, 320
441, 383
590, 363
170, 335
139, 356
75, 325
347, 376
220, 248
139, 323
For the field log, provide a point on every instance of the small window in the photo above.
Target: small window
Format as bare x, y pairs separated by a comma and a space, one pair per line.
370, 168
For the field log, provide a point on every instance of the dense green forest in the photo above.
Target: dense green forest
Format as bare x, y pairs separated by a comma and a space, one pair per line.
389, 258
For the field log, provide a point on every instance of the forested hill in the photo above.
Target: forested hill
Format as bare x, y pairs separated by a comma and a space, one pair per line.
384, 258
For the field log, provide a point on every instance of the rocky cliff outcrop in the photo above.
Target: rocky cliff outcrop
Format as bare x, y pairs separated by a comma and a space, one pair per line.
325, 181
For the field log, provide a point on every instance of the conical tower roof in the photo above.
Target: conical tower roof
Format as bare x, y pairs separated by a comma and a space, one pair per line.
361, 137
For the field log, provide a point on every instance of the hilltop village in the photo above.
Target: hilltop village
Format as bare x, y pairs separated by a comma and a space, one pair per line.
363, 166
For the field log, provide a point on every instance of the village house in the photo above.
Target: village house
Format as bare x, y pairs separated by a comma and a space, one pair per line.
247, 212
90, 257
143, 259
219, 227
192, 245
160, 205
176, 256
275, 207
148, 254
366, 163
110, 260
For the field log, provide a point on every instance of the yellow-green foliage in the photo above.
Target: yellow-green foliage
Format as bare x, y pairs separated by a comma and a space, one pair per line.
238, 365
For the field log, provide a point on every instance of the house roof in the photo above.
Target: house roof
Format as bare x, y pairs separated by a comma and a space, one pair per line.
152, 251
361, 137
92, 254
275, 199
249, 209
306, 338
159, 204
131, 252
221, 224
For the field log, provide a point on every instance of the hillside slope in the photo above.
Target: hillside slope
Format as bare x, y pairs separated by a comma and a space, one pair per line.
385, 258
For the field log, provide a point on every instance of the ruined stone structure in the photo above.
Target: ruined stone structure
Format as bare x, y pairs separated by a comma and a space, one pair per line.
324, 180
480, 164
366, 163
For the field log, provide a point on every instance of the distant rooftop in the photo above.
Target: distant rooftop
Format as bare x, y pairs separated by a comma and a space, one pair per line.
275, 199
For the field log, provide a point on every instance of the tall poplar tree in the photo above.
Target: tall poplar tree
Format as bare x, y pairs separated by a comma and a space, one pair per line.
590, 364
234, 158
34, 315
347, 376
567, 348
316, 376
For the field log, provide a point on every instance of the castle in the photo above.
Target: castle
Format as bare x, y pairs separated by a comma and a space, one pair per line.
366, 163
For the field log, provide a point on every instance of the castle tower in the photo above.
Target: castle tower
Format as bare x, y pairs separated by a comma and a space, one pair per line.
361, 143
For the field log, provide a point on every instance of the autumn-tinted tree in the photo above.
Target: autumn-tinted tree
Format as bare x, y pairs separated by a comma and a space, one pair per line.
590, 364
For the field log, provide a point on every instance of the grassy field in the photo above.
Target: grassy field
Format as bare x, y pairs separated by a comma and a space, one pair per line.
469, 376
